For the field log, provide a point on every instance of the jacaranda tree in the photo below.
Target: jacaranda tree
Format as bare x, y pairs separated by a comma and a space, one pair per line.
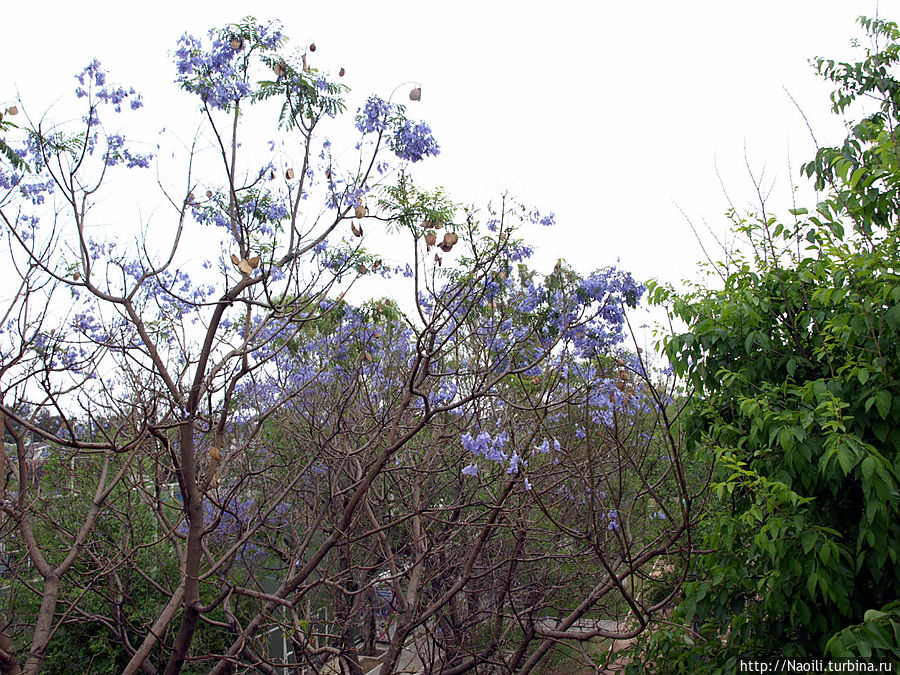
211, 453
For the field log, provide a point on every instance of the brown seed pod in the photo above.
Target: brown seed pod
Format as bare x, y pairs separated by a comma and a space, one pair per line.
235, 259
254, 261
312, 47
244, 267
620, 363
279, 68
450, 238
76, 276
437, 259
362, 269
289, 174
376, 265
360, 211
236, 43
367, 356
444, 247
415, 94
208, 193
215, 454
356, 229
341, 72
12, 110
431, 238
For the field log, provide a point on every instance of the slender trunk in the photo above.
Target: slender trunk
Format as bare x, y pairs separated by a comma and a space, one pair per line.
9, 662
43, 626
158, 628
194, 508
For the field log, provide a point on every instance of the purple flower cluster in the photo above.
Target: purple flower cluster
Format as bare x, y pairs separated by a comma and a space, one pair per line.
94, 78
485, 446
409, 141
117, 152
491, 448
374, 116
413, 142
218, 74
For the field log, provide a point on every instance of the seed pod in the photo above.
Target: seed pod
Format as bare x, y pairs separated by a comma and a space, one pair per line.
360, 211
356, 229
289, 174
362, 269
215, 454
254, 261
235, 259
77, 275
415, 94
367, 356
214, 481
437, 259
279, 68
620, 362
444, 247
13, 110
431, 238
208, 193
341, 72
450, 238
244, 267
376, 265
236, 43
312, 47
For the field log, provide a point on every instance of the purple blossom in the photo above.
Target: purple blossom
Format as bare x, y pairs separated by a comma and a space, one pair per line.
374, 115
470, 470
413, 142
514, 462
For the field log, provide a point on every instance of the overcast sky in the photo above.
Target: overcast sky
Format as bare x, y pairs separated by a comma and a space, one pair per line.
613, 115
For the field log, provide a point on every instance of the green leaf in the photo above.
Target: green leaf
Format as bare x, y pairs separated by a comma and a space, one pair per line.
808, 540
883, 402
868, 467
892, 317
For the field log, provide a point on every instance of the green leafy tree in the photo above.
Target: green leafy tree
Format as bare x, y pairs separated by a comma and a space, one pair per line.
795, 365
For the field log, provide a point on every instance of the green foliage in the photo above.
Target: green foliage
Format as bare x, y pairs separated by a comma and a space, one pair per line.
795, 363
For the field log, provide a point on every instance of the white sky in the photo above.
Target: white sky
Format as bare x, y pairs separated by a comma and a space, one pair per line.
612, 115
